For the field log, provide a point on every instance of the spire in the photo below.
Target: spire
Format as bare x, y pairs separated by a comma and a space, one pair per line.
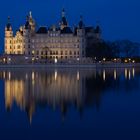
30, 14
30, 23
27, 22
8, 19
81, 23
98, 29
8, 26
63, 12
27, 18
63, 22
81, 18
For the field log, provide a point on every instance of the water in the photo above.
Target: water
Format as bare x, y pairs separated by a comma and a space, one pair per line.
70, 104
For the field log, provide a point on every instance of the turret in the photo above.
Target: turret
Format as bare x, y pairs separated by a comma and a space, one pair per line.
63, 22
98, 32
8, 29
81, 23
81, 27
8, 46
26, 27
30, 25
29, 31
81, 36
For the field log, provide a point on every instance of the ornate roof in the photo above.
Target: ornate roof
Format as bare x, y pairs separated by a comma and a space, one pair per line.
42, 30
66, 30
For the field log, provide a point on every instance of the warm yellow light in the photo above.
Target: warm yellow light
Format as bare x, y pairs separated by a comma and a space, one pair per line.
33, 78
126, 73
129, 75
4, 59
9, 75
133, 72
104, 75
78, 76
33, 52
55, 75
126, 61
115, 74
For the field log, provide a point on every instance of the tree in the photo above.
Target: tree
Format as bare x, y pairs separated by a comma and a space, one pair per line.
99, 50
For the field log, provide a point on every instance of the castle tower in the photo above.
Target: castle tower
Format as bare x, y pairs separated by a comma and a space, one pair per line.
32, 23
81, 27
98, 32
8, 38
8, 29
63, 22
28, 32
81, 35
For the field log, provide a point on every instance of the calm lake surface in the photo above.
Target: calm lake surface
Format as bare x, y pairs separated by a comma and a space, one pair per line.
69, 104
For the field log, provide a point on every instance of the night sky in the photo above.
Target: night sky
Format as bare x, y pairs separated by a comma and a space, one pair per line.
119, 19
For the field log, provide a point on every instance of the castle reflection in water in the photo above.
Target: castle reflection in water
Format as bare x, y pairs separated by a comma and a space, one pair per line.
61, 89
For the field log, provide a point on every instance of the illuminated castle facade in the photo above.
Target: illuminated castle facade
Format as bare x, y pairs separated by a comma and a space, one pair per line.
56, 42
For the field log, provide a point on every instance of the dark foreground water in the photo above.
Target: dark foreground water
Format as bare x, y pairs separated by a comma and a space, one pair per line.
70, 104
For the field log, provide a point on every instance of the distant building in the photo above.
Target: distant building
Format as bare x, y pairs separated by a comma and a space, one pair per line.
57, 42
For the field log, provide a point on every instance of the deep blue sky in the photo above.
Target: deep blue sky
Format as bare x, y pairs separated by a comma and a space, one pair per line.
119, 19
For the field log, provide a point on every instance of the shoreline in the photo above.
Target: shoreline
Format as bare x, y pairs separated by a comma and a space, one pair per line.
93, 66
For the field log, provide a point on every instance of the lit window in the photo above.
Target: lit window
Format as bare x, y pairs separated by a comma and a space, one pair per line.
33, 52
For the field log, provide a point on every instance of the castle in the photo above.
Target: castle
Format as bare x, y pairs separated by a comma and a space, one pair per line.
57, 42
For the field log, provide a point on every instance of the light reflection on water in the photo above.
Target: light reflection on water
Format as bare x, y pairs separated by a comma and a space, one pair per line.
54, 87
63, 89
